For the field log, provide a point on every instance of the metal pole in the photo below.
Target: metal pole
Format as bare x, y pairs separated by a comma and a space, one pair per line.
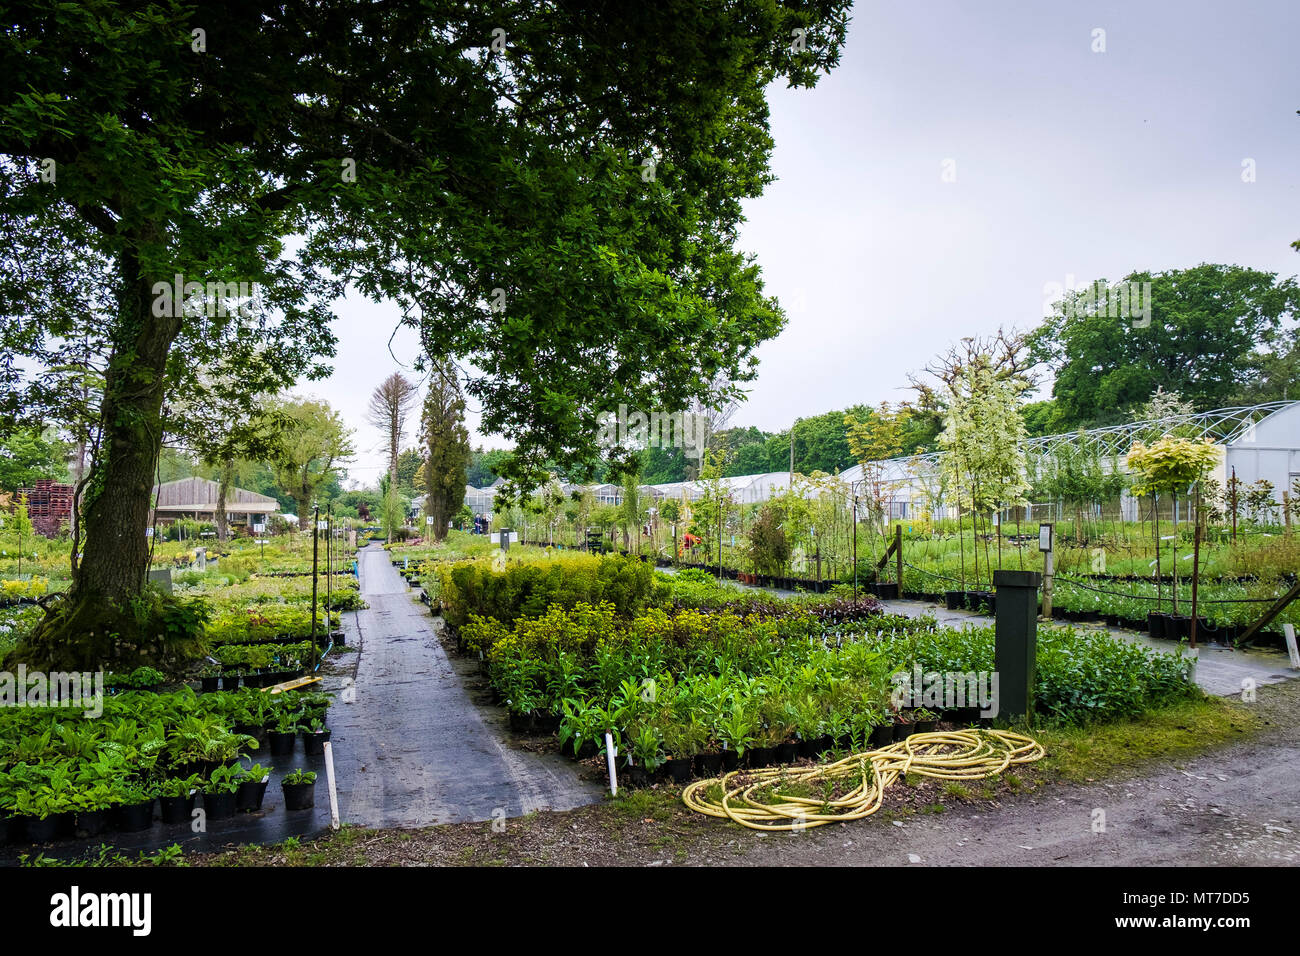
1196, 564
855, 545
315, 545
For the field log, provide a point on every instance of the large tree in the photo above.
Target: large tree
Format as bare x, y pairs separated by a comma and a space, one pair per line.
446, 448
1203, 335
312, 443
550, 192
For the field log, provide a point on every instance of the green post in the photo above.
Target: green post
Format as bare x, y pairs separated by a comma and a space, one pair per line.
1016, 641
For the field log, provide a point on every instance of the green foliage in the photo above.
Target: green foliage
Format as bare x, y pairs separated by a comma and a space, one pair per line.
1205, 325
530, 587
1170, 465
27, 455
446, 448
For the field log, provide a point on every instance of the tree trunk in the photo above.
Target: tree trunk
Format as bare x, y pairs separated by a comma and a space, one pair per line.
118, 496
223, 489
94, 626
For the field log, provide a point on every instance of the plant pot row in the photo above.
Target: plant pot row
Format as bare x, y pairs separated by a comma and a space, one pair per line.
136, 818
211, 684
1176, 626
783, 583
970, 600
281, 743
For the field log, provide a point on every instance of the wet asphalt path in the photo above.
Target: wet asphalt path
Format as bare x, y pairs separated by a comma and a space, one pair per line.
413, 749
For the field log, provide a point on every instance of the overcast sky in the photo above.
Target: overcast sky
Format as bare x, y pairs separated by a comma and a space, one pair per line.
1067, 162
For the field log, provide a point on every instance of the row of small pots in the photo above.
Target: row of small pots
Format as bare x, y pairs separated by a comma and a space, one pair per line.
970, 600
281, 743
679, 770
135, 818
210, 684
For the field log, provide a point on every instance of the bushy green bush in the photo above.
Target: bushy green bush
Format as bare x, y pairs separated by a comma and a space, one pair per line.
526, 588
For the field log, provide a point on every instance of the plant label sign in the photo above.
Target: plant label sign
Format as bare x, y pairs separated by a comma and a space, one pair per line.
1045, 537
428, 519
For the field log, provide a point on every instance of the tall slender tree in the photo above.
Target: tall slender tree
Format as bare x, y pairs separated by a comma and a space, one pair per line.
390, 404
446, 447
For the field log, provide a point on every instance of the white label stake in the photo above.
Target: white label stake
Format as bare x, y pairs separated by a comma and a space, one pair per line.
610, 754
334, 796
1289, 631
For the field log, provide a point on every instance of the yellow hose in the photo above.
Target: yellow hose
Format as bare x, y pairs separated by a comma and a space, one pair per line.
948, 755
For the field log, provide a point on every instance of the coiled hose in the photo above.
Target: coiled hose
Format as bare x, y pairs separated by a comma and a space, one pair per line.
948, 755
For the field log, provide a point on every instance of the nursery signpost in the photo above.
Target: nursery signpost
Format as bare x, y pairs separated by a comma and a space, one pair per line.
1016, 641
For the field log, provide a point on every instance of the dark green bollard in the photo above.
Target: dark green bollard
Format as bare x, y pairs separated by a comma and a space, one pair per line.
1015, 657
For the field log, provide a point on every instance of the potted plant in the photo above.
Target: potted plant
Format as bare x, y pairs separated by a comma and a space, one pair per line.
285, 733
252, 788
736, 731
925, 720
210, 678
135, 812
219, 793
176, 798
314, 735
682, 741
647, 755
299, 790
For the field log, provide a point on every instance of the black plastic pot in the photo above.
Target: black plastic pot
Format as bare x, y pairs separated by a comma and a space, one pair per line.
955, 600
248, 798
635, 776
43, 830
229, 681
882, 736
1180, 625
314, 743
708, 765
521, 723
903, 730
92, 823
761, 756
219, 806
887, 591
210, 684
299, 796
176, 809
814, 747
281, 743
132, 818
8, 830
787, 752
1158, 624
679, 770
925, 726
730, 760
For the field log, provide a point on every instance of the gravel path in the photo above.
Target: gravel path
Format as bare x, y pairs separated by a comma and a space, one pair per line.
412, 748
